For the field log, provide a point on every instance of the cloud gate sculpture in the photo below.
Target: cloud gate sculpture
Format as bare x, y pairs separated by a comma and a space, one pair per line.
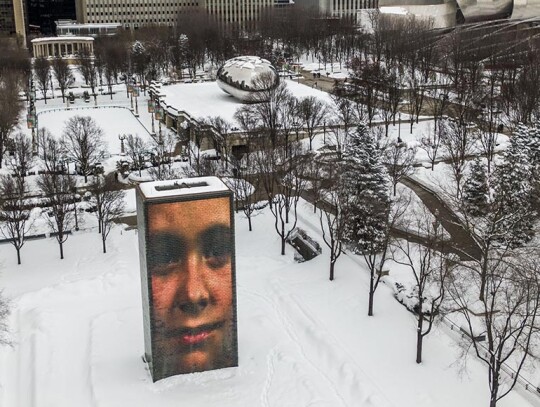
447, 13
246, 77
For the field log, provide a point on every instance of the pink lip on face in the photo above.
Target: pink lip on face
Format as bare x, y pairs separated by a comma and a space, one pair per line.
193, 339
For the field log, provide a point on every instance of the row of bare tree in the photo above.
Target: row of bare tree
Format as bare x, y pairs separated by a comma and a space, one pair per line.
81, 144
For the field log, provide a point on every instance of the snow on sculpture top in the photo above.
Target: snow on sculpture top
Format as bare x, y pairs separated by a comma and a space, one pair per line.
241, 77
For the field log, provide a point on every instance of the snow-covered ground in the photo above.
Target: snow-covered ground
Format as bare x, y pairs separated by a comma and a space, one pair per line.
77, 333
303, 340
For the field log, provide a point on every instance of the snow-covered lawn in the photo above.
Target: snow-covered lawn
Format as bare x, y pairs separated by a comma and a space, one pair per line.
303, 340
76, 324
114, 121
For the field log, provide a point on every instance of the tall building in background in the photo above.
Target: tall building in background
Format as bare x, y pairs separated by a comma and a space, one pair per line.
43, 13
132, 13
12, 20
140, 13
340, 8
235, 11
7, 19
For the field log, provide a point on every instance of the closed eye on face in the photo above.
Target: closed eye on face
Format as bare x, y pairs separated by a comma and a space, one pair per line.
169, 250
215, 245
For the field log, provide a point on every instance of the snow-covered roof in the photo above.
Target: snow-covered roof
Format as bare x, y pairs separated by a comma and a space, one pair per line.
207, 99
91, 25
182, 187
68, 38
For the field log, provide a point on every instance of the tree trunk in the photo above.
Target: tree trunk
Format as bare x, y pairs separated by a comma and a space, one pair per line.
332, 263
371, 293
483, 279
283, 246
249, 223
494, 392
103, 238
419, 337
18, 254
61, 250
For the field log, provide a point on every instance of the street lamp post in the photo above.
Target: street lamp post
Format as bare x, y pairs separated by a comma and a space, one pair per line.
399, 128
52, 87
126, 80
122, 138
296, 126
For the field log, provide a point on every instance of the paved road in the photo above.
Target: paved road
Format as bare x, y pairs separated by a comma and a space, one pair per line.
461, 240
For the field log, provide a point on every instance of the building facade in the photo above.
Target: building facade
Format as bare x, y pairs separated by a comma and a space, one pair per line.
140, 13
233, 11
71, 27
340, 8
132, 14
12, 19
44, 13
66, 47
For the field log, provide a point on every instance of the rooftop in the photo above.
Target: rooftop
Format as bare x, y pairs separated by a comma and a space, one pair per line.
201, 100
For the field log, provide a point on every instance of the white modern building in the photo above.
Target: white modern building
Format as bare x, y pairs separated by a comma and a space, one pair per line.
71, 27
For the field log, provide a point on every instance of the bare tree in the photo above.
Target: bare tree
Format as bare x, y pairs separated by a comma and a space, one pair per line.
110, 78
365, 87
337, 137
507, 317
109, 203
288, 118
346, 114
244, 193
11, 108
458, 143
50, 151
332, 217
63, 75
14, 213
431, 143
163, 151
22, 158
399, 160
87, 69
58, 190
82, 140
288, 173
42, 74
313, 113
219, 136
135, 149
430, 270
267, 103
416, 95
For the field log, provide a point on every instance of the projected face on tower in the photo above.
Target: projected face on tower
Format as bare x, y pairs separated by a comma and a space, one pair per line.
190, 263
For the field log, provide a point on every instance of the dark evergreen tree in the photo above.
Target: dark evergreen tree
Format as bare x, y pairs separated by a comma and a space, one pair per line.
476, 190
514, 191
366, 185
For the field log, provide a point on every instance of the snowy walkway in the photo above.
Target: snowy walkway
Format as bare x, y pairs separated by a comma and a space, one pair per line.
461, 240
